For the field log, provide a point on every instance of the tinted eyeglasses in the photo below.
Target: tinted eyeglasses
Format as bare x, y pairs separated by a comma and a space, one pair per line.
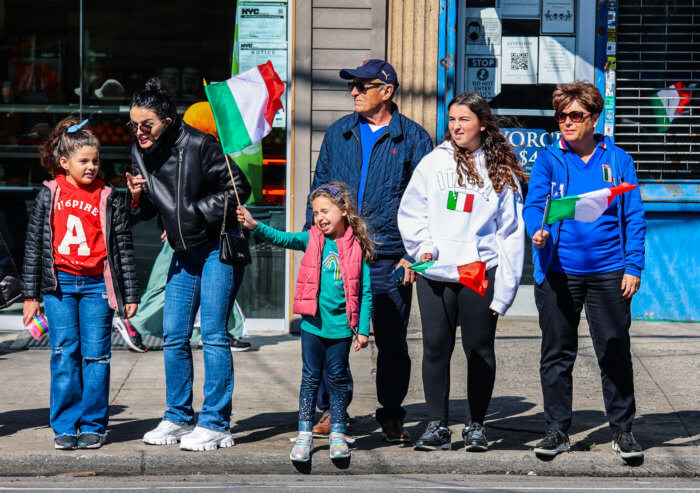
362, 86
576, 116
145, 129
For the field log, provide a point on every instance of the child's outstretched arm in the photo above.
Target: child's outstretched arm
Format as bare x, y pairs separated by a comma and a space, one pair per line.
293, 241
246, 218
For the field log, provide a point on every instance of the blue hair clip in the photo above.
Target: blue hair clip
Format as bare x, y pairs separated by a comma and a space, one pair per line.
75, 128
334, 191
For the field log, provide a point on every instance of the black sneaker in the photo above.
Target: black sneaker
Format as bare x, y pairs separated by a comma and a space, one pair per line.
626, 445
435, 437
130, 336
65, 442
91, 440
475, 438
554, 442
238, 345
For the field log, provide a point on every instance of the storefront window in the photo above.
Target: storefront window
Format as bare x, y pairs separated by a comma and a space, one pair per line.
124, 44
514, 53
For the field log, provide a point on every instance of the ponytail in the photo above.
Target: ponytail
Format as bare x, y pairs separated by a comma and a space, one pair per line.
62, 143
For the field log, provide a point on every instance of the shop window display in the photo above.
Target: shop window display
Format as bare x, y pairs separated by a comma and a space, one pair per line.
123, 45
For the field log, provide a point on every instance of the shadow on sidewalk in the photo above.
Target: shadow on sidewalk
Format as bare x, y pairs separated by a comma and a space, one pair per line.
21, 419
263, 426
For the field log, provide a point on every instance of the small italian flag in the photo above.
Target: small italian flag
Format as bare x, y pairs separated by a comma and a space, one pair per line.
671, 102
459, 201
472, 275
245, 105
586, 207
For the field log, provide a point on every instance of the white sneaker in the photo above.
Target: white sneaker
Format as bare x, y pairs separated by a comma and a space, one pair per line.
167, 433
203, 439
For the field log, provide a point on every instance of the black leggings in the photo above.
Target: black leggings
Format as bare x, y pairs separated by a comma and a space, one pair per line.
440, 303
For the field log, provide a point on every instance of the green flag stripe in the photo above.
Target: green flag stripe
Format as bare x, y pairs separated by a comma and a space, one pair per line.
452, 201
229, 122
562, 209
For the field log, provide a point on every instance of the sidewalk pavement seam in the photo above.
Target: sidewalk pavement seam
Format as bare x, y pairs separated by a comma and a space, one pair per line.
131, 370
675, 411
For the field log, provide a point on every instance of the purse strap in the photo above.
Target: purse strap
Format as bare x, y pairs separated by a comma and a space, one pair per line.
235, 190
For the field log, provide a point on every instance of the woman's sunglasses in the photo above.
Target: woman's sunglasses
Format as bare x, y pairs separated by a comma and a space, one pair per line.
576, 116
362, 86
145, 129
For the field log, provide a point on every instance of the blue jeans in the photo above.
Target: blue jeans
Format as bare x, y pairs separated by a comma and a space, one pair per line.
333, 354
196, 277
80, 325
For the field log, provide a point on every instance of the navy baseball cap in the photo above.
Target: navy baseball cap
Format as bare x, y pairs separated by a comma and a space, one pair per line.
372, 69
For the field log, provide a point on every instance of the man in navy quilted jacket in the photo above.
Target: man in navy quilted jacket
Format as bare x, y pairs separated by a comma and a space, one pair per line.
374, 151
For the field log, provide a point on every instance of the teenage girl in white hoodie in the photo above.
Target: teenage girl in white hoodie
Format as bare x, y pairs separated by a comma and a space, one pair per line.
464, 204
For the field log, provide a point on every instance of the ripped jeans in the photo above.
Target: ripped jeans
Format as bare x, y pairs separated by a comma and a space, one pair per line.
80, 325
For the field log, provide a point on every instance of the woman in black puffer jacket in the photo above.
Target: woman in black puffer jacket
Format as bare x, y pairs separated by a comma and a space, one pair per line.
181, 174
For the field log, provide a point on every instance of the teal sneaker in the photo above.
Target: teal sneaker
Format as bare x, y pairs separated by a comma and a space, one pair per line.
303, 447
339, 446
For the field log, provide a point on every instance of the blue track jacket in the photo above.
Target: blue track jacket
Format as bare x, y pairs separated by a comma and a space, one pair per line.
550, 176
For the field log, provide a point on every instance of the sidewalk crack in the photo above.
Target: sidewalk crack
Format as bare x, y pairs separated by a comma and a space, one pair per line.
131, 370
675, 411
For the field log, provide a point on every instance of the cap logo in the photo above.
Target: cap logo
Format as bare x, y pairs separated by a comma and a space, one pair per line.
364, 63
386, 76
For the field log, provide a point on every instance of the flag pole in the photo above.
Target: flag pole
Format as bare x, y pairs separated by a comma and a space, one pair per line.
546, 211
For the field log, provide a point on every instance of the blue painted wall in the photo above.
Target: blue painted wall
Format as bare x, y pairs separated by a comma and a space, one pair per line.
671, 279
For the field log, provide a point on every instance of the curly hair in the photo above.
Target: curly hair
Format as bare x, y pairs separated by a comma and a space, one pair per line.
582, 92
339, 195
501, 163
63, 144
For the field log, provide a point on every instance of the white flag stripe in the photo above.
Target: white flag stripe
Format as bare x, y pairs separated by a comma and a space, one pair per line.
461, 199
246, 90
447, 273
590, 207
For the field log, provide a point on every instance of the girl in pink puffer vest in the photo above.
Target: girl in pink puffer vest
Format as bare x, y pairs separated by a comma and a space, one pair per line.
334, 299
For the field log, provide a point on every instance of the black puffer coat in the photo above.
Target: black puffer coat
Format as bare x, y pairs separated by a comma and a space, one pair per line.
39, 271
187, 182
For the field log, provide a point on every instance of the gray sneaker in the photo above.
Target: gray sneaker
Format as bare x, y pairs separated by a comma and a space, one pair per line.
553, 443
435, 437
475, 438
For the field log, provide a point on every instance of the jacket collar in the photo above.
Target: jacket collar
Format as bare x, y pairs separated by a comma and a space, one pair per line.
170, 138
560, 147
394, 127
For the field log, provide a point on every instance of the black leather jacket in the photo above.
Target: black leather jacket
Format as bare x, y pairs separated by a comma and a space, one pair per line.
39, 271
187, 182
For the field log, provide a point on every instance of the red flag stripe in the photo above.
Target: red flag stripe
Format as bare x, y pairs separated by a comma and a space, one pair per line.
275, 88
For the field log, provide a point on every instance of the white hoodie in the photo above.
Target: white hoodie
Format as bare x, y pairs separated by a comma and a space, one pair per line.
460, 225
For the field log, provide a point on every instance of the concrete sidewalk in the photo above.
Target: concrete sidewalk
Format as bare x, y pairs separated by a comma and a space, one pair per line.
265, 412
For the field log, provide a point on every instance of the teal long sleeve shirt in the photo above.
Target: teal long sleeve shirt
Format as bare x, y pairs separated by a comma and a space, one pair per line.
331, 320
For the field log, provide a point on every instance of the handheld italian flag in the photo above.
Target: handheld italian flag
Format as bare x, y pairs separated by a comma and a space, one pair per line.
245, 105
671, 102
472, 275
586, 207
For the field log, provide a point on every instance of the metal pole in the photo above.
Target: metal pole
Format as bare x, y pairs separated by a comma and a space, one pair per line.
80, 97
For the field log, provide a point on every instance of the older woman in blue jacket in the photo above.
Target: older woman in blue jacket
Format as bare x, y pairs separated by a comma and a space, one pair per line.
597, 264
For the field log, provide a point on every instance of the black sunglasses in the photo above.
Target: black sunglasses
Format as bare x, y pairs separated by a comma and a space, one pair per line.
146, 129
576, 116
362, 86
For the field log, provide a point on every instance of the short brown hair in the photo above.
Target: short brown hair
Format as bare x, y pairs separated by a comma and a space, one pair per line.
582, 92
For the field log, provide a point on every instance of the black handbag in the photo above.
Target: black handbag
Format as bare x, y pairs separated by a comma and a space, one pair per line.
233, 245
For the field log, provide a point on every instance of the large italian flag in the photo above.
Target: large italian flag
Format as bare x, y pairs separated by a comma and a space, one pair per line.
245, 105
472, 275
586, 207
669, 103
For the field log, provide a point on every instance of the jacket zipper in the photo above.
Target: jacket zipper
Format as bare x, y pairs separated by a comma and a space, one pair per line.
381, 137
177, 213
108, 242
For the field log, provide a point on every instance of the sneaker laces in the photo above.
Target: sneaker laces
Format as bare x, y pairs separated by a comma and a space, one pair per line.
626, 439
476, 430
302, 440
337, 439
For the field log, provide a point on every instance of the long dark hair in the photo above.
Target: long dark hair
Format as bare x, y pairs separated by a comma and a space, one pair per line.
61, 143
154, 97
501, 162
